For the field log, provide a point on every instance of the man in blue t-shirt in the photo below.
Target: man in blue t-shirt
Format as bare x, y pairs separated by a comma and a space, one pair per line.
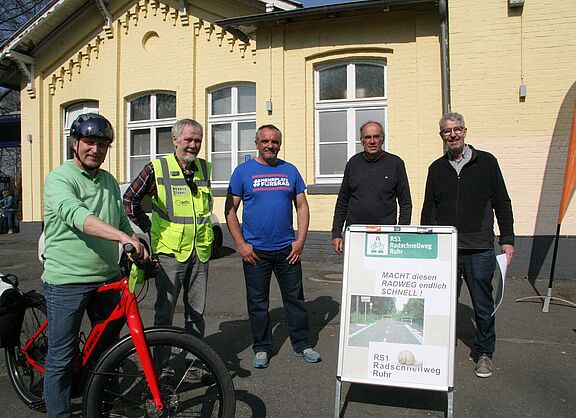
268, 187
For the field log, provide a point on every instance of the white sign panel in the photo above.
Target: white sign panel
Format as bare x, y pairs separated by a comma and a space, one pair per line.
405, 335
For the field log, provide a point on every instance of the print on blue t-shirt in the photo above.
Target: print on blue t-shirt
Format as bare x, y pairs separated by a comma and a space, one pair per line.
268, 194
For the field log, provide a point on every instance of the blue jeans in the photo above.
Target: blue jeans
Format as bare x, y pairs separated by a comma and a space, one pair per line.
289, 278
476, 268
10, 216
66, 305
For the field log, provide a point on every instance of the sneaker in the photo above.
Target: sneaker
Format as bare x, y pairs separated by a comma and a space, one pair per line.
484, 366
309, 355
260, 360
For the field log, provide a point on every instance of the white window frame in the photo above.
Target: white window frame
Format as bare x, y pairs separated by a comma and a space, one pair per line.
88, 106
351, 104
234, 119
151, 124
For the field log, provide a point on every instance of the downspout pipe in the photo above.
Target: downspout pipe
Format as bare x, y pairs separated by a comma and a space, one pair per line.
444, 62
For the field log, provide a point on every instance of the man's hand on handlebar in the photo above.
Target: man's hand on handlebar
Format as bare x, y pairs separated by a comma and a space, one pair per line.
135, 250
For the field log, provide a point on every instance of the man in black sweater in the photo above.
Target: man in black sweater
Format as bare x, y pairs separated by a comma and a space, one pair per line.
465, 188
374, 180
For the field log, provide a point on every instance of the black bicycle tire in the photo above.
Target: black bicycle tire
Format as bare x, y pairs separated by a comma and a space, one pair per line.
36, 304
98, 380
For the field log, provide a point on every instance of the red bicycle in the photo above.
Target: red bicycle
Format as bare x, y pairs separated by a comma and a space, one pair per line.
152, 372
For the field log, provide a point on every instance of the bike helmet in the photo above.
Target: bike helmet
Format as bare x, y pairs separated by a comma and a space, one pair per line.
94, 125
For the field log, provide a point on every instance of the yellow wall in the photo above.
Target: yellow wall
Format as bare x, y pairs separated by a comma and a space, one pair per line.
493, 50
190, 56
288, 55
150, 47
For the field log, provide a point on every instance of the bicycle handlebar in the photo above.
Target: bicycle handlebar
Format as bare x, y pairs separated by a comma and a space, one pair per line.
129, 248
151, 265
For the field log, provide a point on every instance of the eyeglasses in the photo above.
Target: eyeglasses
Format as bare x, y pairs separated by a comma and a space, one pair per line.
447, 131
374, 137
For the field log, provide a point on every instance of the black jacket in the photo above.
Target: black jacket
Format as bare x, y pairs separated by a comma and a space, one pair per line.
469, 201
370, 191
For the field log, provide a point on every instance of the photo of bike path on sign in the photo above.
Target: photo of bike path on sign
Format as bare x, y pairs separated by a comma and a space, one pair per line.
386, 319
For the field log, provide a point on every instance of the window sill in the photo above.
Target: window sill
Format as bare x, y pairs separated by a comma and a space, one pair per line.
313, 189
326, 189
219, 191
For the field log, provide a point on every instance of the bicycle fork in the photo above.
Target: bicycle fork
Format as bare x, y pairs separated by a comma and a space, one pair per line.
134, 322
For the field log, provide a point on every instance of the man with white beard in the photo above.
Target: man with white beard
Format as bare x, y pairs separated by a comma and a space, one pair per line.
180, 228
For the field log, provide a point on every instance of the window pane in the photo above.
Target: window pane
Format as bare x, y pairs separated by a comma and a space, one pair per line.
333, 83
246, 99
140, 142
246, 136
140, 108
69, 149
363, 116
332, 158
332, 126
165, 106
222, 102
221, 167
221, 137
245, 156
164, 143
369, 81
137, 164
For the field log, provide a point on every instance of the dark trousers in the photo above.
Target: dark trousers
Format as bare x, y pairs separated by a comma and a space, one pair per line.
476, 268
289, 278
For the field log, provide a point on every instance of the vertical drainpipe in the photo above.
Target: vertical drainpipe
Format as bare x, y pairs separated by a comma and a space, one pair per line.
443, 9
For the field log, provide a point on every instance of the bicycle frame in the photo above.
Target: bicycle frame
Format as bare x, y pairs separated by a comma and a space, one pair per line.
127, 308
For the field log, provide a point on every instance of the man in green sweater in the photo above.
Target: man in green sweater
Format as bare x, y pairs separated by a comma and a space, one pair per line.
84, 222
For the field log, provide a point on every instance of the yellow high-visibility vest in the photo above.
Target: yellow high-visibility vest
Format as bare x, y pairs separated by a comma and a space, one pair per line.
180, 219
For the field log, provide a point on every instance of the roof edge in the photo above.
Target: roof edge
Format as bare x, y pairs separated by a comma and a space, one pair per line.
315, 11
29, 26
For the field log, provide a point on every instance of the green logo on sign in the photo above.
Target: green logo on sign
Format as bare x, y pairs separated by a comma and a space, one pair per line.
401, 245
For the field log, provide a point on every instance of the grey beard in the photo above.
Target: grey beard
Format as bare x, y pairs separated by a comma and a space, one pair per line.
189, 159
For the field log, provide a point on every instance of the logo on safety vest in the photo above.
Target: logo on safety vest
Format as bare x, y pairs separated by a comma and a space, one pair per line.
179, 190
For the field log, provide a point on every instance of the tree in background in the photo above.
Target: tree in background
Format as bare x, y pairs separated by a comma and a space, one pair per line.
13, 15
415, 309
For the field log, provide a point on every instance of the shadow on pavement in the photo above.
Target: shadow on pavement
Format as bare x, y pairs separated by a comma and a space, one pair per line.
233, 337
465, 326
257, 405
236, 336
220, 252
395, 397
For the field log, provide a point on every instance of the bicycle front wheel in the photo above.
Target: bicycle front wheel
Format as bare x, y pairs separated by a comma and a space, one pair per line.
26, 377
193, 379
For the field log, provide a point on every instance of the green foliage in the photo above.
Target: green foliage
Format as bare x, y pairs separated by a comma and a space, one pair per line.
415, 309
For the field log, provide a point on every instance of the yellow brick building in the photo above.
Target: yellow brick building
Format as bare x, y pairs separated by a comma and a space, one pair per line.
317, 73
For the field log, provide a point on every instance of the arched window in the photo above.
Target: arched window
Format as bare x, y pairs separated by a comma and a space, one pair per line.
70, 114
150, 121
231, 129
347, 95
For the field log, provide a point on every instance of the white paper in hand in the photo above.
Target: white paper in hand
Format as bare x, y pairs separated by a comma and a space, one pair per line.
503, 266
